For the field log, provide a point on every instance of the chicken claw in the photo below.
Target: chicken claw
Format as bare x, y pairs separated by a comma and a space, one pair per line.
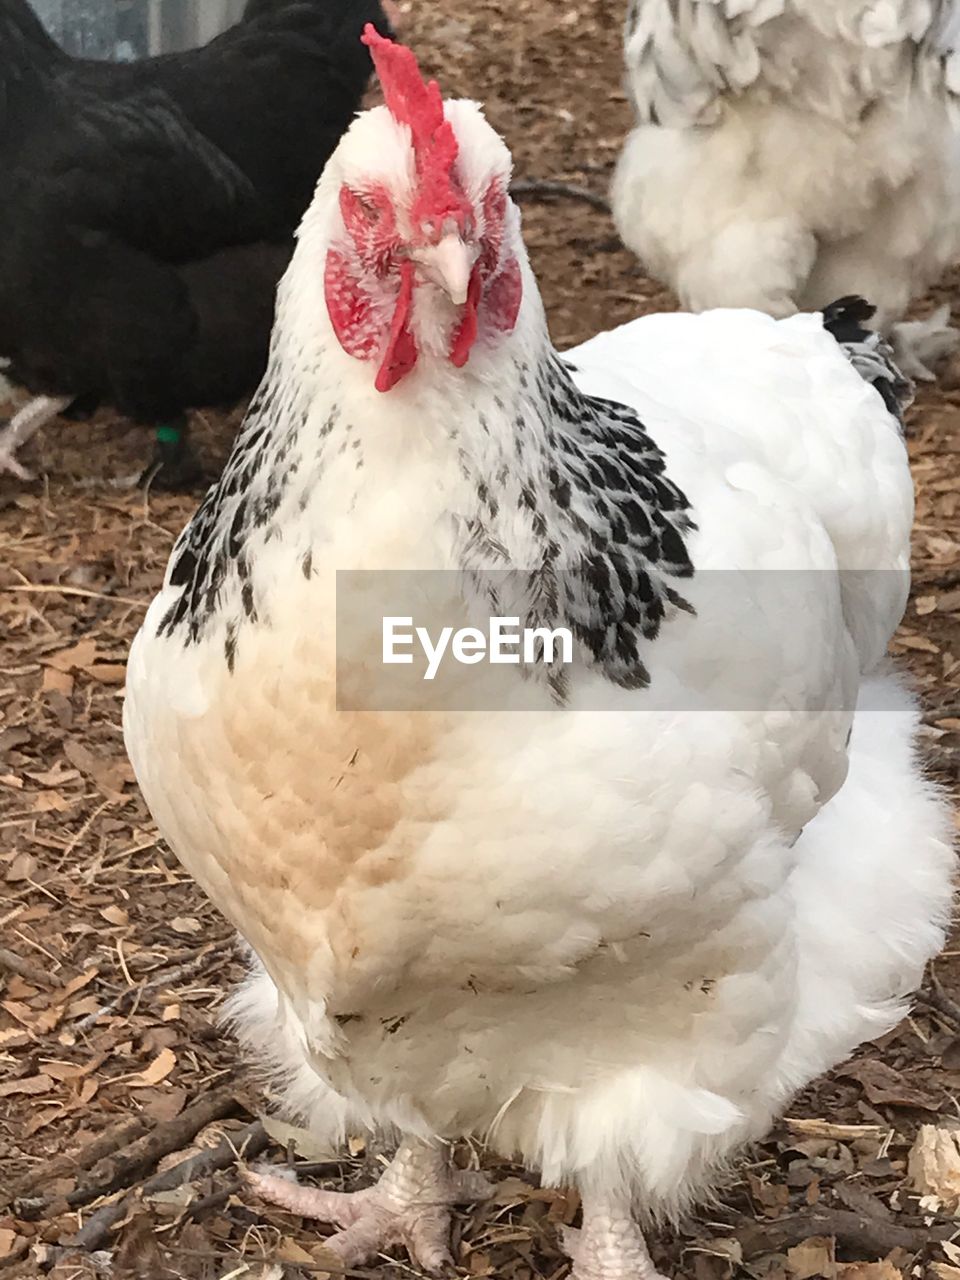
409, 1206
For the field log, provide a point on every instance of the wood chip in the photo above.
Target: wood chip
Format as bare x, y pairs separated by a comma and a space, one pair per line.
77, 656
817, 1128
934, 1168
32, 1086
158, 1070
883, 1085
814, 1257
8, 1242
303, 1141
883, 1270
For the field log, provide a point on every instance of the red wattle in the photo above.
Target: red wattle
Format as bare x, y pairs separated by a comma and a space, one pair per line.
402, 353
466, 335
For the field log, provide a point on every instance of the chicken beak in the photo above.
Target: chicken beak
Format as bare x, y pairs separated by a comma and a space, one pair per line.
449, 264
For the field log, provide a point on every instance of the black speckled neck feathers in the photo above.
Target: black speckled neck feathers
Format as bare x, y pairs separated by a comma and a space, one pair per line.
603, 525
565, 488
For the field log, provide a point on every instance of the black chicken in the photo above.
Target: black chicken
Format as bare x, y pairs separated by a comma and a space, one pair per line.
147, 209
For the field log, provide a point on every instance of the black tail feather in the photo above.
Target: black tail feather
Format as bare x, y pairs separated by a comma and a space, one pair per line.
868, 351
847, 318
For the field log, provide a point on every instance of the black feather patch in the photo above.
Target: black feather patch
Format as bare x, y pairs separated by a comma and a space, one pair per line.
609, 524
846, 319
868, 352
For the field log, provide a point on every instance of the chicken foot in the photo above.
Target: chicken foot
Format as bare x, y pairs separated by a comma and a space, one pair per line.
610, 1244
23, 426
409, 1206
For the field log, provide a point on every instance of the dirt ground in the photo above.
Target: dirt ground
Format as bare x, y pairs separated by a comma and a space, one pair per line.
112, 964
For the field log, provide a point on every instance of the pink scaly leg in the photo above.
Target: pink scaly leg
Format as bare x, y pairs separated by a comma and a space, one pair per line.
610, 1245
409, 1206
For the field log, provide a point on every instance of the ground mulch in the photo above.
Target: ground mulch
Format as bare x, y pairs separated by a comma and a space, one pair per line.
113, 1071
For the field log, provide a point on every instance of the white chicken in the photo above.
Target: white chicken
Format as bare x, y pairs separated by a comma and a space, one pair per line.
789, 152
610, 923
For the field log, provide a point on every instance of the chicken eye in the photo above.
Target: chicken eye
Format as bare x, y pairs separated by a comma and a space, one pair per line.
372, 212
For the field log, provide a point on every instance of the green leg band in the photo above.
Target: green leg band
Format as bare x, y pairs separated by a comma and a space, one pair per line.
169, 434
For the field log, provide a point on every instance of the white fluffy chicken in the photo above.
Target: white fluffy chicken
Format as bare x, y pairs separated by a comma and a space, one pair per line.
609, 925
789, 152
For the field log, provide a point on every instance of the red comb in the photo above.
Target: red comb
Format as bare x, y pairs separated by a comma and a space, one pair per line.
419, 104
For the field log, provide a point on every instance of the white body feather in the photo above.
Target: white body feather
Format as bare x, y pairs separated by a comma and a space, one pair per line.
588, 935
791, 152
867, 903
